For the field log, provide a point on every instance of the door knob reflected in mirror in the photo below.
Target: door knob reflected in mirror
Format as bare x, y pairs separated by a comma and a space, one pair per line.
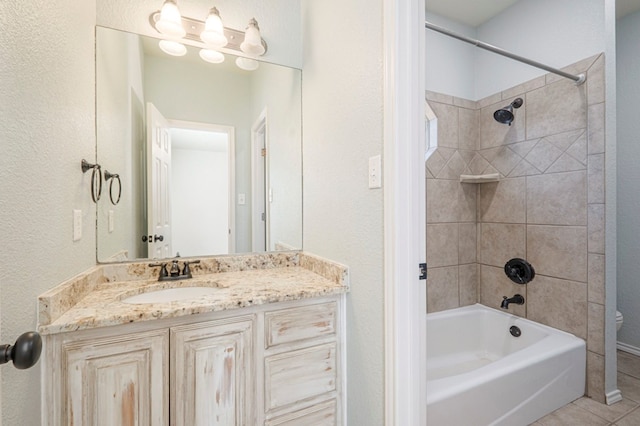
24, 353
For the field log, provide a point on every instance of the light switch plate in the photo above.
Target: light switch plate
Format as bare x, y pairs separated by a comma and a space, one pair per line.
375, 172
241, 199
77, 225
111, 220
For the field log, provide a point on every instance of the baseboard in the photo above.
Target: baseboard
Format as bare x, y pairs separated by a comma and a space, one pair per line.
613, 397
628, 348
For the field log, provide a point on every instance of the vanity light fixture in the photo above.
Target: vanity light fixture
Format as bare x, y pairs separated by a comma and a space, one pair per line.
252, 44
170, 21
211, 35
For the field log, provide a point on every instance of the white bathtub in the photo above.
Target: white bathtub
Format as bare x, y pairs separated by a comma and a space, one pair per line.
479, 374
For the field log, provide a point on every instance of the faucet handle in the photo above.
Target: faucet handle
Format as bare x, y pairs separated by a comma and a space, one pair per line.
187, 271
163, 270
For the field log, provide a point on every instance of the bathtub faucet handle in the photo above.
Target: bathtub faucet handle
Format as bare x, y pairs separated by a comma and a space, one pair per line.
517, 299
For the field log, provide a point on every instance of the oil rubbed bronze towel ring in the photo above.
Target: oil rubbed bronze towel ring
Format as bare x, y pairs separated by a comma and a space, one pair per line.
96, 179
112, 177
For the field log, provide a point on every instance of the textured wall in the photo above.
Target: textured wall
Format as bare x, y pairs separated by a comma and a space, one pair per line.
342, 110
47, 113
628, 66
547, 208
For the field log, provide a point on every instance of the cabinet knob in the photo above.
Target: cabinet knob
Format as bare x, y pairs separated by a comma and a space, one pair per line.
24, 353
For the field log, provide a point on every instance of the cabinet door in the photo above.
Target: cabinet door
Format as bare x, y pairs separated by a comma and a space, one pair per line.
211, 373
120, 380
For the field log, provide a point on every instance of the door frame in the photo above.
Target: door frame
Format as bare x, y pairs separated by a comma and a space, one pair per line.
260, 123
404, 212
231, 158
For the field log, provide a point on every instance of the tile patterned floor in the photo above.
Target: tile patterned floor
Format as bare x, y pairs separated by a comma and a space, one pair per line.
586, 412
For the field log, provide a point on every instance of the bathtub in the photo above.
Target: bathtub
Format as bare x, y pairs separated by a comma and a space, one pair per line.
479, 374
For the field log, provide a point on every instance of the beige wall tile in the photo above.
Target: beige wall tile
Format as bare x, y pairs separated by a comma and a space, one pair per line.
489, 100
468, 284
442, 245
520, 89
494, 285
442, 289
555, 108
595, 81
503, 201
468, 129
467, 245
558, 303
500, 242
558, 251
595, 328
543, 155
595, 129
596, 278
557, 199
595, 376
435, 162
450, 201
596, 228
595, 178
438, 97
447, 124
465, 103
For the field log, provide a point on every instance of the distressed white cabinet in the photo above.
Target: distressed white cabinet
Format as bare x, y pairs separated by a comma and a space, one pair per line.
212, 374
116, 380
274, 364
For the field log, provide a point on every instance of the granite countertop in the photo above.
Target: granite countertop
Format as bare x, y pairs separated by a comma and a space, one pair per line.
95, 299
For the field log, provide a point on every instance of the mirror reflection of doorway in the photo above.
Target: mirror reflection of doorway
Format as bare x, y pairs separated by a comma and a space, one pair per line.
260, 185
202, 185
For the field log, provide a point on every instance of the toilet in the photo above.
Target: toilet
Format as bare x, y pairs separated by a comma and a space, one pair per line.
619, 320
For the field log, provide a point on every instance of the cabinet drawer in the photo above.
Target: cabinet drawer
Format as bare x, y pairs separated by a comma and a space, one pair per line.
291, 325
324, 414
298, 375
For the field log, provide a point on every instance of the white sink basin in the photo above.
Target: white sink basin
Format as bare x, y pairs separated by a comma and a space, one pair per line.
171, 295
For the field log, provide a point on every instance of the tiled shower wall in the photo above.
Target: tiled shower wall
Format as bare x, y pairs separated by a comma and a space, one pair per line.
547, 208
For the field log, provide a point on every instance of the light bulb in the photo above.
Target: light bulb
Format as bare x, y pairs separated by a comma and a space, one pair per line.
252, 43
211, 56
247, 64
213, 33
170, 22
172, 48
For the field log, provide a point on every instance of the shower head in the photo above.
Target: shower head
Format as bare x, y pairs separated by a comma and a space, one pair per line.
505, 115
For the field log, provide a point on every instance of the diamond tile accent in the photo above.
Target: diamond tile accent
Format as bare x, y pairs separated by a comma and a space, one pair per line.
543, 155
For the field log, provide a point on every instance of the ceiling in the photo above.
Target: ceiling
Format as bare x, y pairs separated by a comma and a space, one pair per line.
477, 12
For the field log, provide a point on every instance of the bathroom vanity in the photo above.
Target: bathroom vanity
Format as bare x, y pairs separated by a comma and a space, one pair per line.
263, 345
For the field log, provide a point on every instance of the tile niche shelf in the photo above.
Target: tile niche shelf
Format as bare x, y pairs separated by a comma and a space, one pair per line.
489, 177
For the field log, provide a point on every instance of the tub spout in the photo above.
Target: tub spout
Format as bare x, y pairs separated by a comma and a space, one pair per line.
517, 299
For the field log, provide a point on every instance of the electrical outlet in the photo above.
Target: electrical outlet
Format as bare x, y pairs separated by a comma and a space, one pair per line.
77, 225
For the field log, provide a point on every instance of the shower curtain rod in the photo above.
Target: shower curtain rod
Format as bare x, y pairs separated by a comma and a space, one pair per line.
578, 79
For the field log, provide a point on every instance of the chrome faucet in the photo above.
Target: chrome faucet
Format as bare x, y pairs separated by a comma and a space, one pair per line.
517, 299
174, 272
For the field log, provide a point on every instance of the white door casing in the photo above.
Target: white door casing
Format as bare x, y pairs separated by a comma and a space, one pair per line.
158, 184
259, 184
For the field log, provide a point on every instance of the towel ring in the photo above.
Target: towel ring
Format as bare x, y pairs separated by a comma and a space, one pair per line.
95, 192
112, 177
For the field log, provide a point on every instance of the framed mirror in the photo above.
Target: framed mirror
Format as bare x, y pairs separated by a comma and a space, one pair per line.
202, 158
